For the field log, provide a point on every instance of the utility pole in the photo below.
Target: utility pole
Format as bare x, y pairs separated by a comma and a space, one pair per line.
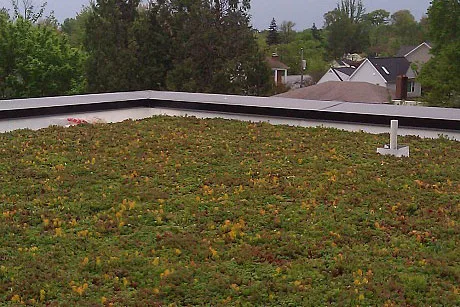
301, 68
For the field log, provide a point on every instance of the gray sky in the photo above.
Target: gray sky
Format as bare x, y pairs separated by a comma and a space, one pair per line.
302, 12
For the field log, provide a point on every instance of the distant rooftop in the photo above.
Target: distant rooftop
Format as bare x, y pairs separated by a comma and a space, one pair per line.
391, 68
345, 70
275, 63
404, 50
342, 91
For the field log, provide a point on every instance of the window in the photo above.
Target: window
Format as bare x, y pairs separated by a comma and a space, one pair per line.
410, 86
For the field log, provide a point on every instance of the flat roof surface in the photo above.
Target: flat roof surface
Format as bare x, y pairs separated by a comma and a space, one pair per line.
302, 104
233, 100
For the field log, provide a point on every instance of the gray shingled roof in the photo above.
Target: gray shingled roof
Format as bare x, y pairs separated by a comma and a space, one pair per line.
390, 68
342, 91
345, 70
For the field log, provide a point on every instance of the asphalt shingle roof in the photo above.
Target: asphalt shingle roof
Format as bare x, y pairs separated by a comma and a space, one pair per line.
390, 68
346, 70
342, 91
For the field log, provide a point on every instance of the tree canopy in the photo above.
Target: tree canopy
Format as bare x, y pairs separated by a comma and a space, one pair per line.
127, 48
213, 48
347, 33
441, 75
36, 60
273, 34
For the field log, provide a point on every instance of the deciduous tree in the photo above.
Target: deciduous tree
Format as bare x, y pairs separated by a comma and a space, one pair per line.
315, 32
36, 60
441, 75
27, 10
346, 31
74, 28
405, 28
287, 32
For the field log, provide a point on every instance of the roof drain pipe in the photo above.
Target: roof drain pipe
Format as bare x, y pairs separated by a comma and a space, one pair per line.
393, 149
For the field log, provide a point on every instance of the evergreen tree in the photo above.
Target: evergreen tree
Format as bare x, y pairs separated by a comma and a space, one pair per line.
213, 48
127, 48
109, 41
273, 34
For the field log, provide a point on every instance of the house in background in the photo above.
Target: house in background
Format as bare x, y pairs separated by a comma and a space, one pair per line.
349, 60
337, 74
416, 54
384, 72
279, 69
341, 70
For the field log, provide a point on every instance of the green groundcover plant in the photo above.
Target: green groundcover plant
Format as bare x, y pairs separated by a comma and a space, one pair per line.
187, 212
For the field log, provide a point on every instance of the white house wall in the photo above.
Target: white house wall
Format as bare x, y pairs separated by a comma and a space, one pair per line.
329, 76
367, 73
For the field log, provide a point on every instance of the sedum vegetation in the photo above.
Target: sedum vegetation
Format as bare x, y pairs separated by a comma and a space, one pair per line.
185, 211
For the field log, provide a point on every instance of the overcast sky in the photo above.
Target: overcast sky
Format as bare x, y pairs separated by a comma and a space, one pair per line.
302, 12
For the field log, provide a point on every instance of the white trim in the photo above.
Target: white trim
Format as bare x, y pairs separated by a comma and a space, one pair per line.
413, 50
359, 67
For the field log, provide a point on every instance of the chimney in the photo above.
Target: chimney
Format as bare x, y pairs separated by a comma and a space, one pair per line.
401, 87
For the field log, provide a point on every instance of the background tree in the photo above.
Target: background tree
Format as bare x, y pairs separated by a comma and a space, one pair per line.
405, 28
346, 31
153, 49
315, 32
287, 33
27, 10
213, 48
441, 75
109, 42
74, 28
124, 46
377, 18
314, 53
36, 60
380, 36
273, 35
